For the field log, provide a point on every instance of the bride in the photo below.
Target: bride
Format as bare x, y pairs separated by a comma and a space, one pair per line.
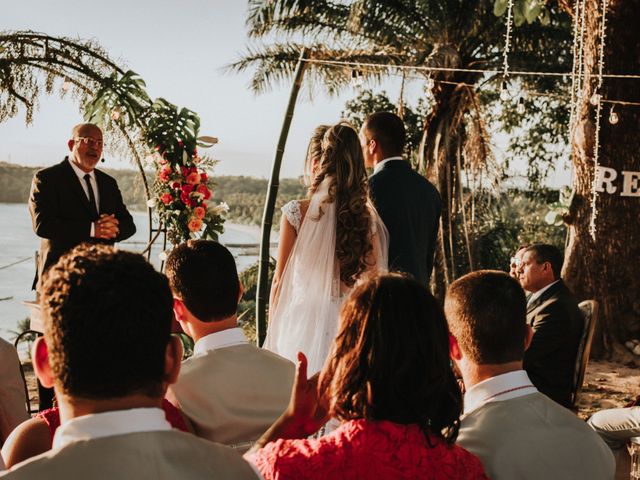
327, 243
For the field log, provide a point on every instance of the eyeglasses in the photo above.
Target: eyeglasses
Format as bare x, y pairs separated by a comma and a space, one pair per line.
92, 141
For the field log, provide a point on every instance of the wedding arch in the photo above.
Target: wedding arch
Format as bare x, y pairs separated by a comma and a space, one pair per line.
154, 132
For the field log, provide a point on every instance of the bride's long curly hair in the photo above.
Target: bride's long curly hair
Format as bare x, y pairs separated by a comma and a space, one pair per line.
342, 161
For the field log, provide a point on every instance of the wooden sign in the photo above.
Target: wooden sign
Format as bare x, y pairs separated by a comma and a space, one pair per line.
607, 180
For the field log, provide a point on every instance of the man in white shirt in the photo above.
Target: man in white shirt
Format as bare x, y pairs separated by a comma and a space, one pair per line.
108, 353
558, 324
517, 432
230, 390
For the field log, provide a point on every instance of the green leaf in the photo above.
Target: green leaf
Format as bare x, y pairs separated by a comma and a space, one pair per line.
545, 16
532, 9
499, 7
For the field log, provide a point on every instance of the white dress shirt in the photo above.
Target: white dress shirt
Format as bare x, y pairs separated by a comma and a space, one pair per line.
534, 296
496, 389
379, 165
94, 184
221, 339
109, 424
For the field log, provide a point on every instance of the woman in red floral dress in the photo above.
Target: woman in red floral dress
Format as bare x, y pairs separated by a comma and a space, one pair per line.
389, 381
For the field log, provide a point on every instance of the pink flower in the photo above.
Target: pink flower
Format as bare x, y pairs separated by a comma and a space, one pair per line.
184, 197
203, 177
193, 178
204, 191
166, 198
199, 212
165, 173
195, 224
187, 188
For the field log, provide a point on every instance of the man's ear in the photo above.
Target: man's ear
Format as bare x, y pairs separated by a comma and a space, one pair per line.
71, 143
240, 292
40, 355
172, 360
528, 336
179, 309
372, 146
455, 352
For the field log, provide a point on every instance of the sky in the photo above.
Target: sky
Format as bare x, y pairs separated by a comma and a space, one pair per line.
180, 48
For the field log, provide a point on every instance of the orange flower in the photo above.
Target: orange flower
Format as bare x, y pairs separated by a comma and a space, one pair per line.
193, 178
195, 224
165, 173
199, 212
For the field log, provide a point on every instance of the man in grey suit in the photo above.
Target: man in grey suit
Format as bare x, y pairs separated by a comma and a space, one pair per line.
108, 353
408, 204
516, 431
230, 389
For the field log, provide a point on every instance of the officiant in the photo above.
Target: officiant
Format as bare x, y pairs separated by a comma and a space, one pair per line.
73, 202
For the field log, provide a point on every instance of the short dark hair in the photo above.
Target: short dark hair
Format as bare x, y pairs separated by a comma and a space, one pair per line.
387, 129
203, 274
486, 311
390, 359
548, 253
108, 318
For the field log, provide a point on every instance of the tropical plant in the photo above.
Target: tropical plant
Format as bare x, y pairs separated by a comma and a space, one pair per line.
379, 37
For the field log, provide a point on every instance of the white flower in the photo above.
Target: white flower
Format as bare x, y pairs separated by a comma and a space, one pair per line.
151, 203
220, 209
163, 256
224, 206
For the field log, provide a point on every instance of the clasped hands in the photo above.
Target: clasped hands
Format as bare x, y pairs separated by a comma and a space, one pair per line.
106, 227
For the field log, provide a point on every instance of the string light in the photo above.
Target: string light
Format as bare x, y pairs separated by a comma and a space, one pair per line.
504, 92
520, 107
613, 119
595, 99
357, 79
507, 40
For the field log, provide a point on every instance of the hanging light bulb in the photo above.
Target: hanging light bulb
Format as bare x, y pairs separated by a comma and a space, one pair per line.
115, 113
520, 107
357, 78
66, 85
504, 93
429, 84
595, 99
613, 117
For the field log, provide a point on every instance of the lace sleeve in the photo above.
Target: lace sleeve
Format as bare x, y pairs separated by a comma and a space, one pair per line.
292, 211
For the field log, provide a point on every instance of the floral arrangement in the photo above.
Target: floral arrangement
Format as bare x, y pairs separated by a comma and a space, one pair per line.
182, 189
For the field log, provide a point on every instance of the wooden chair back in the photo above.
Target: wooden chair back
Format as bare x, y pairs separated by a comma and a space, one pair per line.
589, 309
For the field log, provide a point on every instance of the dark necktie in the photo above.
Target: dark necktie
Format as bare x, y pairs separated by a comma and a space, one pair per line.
92, 197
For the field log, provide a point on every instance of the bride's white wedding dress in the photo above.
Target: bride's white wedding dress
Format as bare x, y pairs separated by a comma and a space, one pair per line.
305, 315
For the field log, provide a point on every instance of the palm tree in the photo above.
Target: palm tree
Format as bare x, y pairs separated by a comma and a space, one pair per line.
420, 33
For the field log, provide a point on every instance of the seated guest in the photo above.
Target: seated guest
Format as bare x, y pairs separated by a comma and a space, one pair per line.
517, 432
515, 261
553, 313
13, 406
108, 353
389, 381
616, 426
230, 390
35, 436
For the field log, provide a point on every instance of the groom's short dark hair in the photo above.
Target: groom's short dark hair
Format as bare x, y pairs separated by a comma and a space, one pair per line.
203, 274
387, 129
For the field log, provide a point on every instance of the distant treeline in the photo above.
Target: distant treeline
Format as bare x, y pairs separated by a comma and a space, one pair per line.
245, 195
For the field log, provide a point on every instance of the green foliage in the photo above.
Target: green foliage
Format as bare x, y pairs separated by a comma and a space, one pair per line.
367, 102
524, 11
247, 306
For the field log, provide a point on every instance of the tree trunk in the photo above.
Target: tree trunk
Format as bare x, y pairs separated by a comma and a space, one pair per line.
607, 269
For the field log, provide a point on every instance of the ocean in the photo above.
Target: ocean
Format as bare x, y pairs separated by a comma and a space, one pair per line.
18, 245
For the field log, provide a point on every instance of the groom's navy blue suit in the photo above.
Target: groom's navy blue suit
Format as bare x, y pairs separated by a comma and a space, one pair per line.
410, 208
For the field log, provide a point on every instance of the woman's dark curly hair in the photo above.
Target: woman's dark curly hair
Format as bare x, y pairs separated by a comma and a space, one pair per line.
343, 162
390, 360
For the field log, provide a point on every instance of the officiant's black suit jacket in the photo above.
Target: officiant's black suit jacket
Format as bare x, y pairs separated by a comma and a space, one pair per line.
557, 328
62, 215
410, 208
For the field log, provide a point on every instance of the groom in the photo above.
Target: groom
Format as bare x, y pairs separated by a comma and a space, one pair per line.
407, 203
